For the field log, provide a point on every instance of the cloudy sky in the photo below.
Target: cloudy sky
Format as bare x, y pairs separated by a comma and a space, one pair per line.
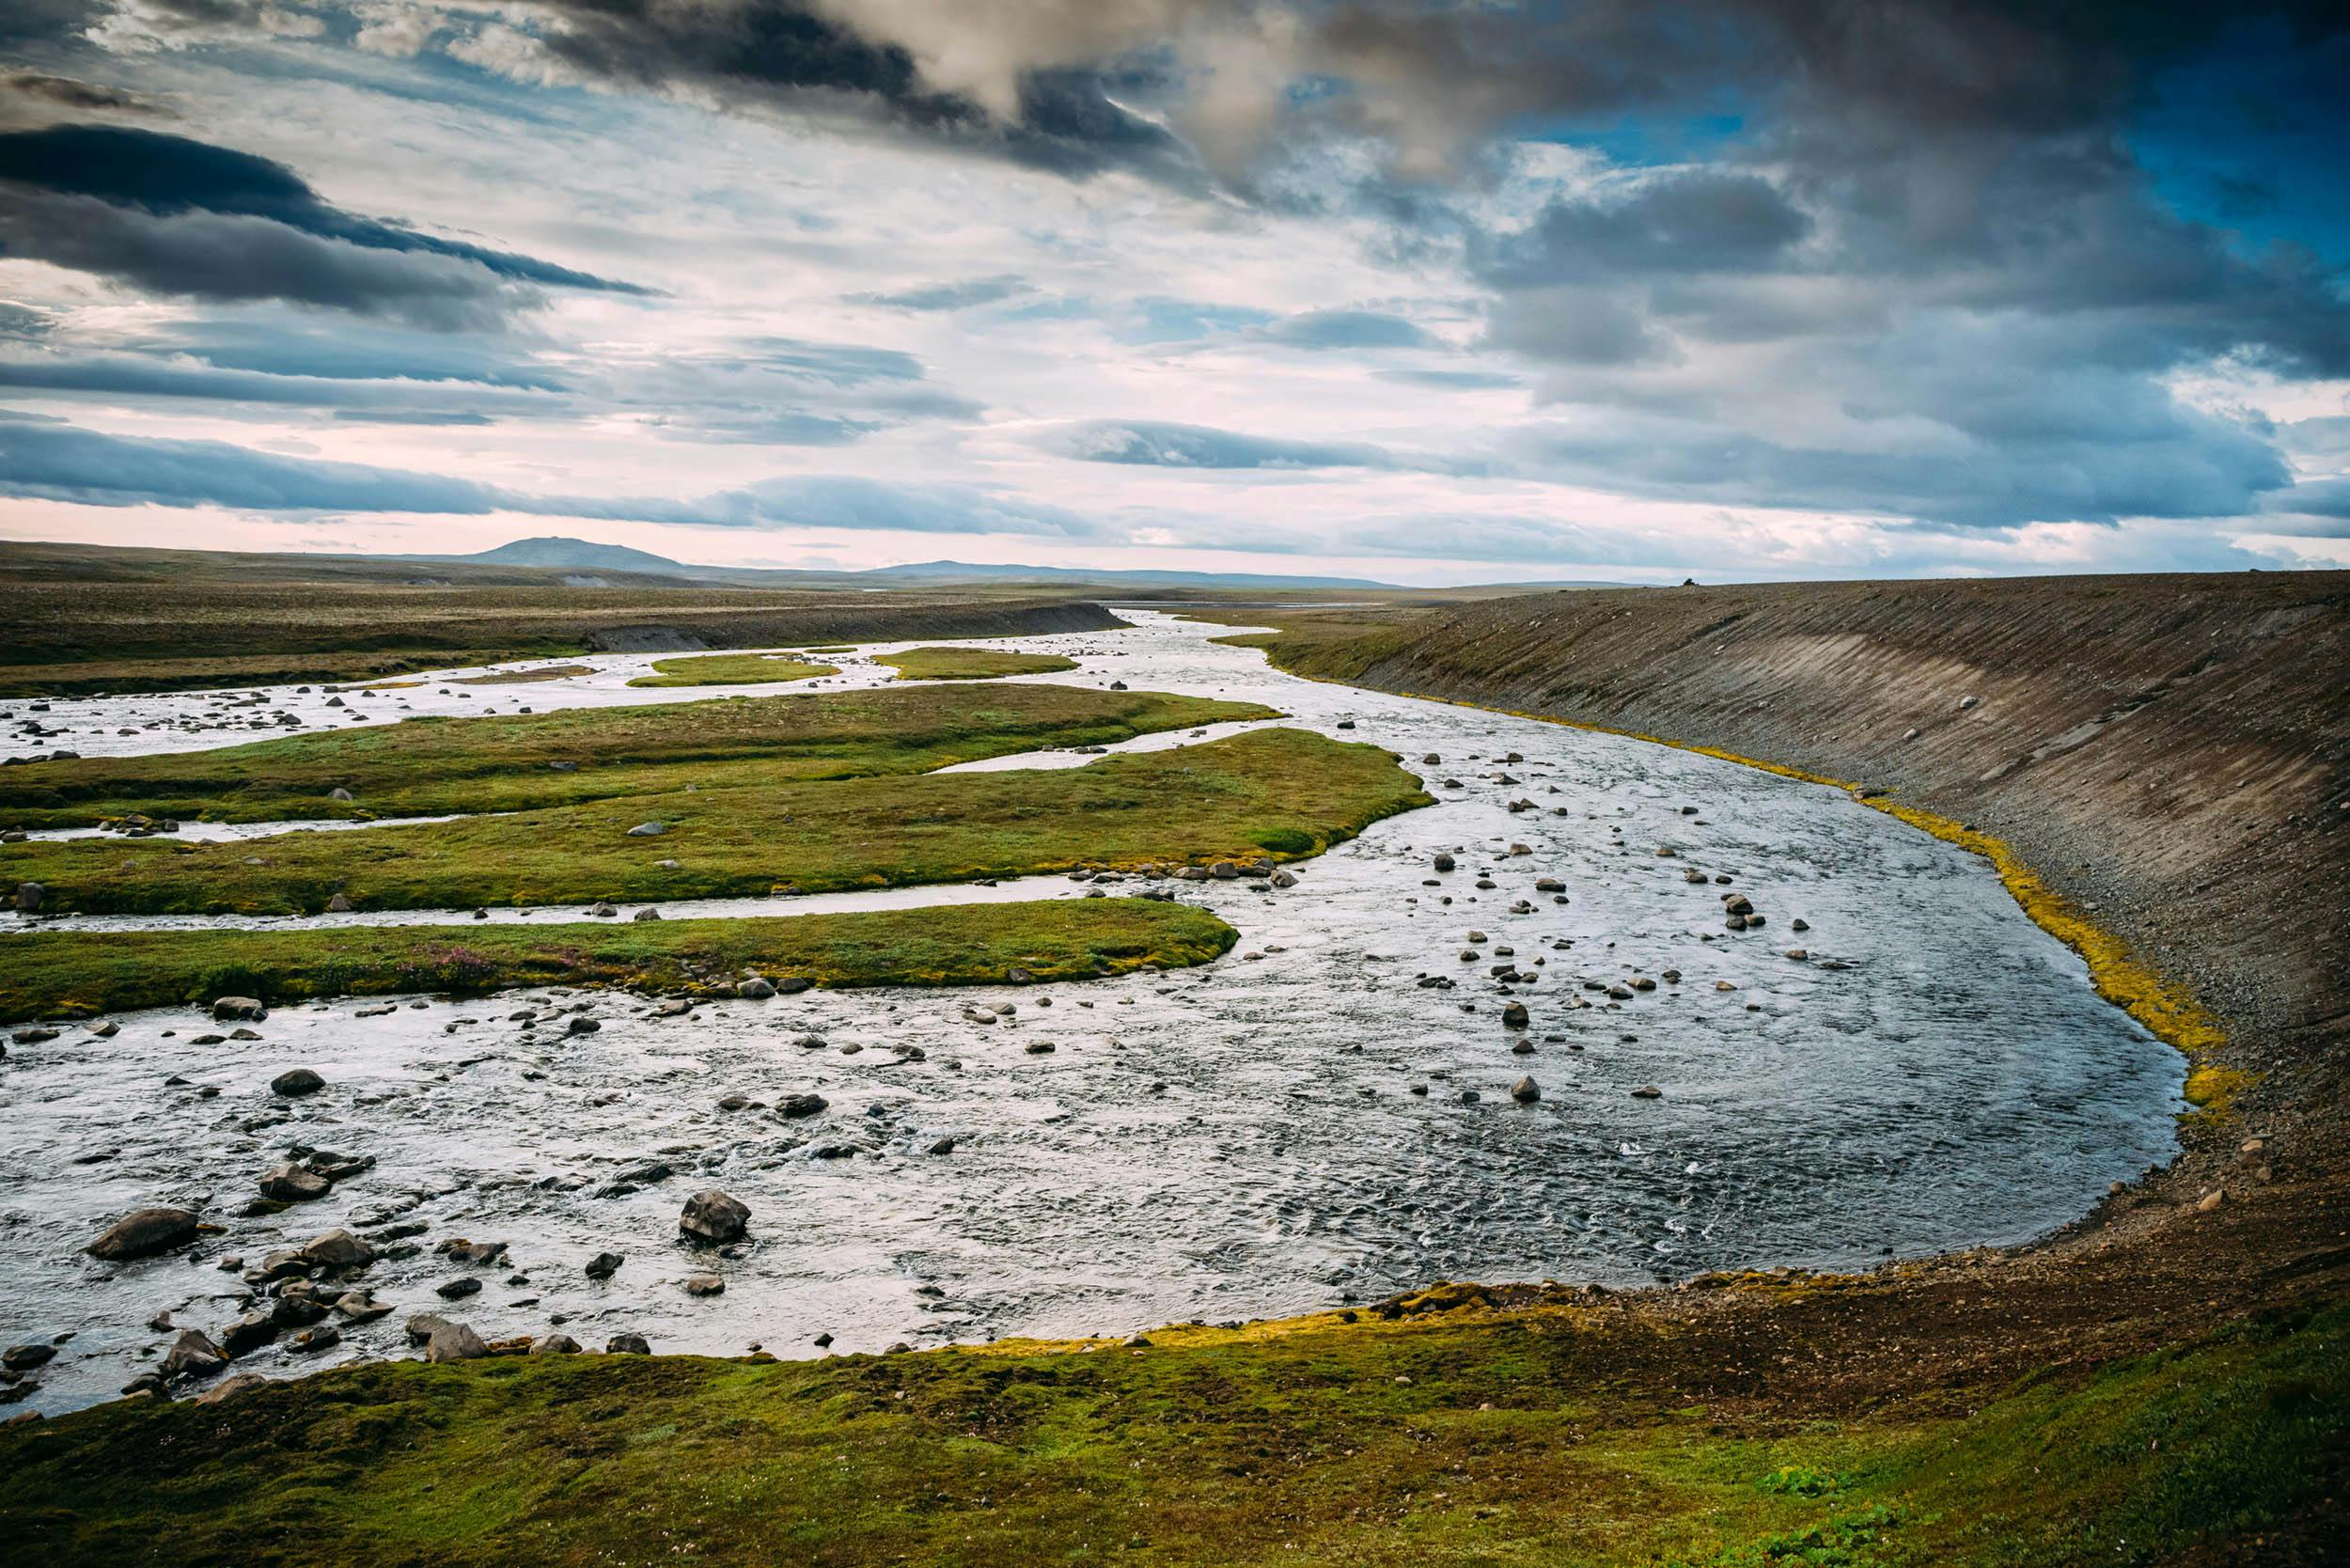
1431, 292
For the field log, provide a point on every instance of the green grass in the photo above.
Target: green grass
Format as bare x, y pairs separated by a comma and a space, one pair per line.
732, 669
970, 664
427, 767
50, 973
1287, 793
1513, 1439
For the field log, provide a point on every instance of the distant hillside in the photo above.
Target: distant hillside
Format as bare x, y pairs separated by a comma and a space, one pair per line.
578, 555
969, 571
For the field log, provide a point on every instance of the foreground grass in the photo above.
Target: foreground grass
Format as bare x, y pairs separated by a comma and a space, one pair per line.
52, 973
426, 767
1499, 1439
970, 664
732, 669
1285, 792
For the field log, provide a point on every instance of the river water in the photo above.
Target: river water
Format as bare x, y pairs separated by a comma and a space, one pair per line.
1284, 1130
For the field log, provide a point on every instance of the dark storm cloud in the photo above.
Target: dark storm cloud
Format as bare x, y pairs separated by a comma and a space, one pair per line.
1701, 220
774, 54
179, 216
1160, 445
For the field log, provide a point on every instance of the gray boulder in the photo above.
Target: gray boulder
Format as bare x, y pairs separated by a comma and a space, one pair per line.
238, 1009
454, 1342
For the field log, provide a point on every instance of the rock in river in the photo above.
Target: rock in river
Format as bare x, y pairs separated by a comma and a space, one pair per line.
454, 1342
713, 1217
238, 1009
1514, 1016
144, 1233
194, 1355
297, 1081
1525, 1092
292, 1183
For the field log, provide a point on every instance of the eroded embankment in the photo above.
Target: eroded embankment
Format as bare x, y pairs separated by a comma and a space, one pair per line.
2161, 764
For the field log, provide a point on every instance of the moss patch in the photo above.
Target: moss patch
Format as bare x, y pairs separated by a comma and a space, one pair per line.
1502, 1438
970, 664
732, 669
53, 973
1226, 798
426, 767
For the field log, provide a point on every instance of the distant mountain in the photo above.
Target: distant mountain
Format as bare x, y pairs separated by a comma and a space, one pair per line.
579, 555
559, 553
969, 571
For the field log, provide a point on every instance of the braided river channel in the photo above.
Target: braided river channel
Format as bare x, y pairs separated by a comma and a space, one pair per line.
1323, 1115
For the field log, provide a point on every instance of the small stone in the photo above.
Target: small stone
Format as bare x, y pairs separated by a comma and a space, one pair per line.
704, 1284
555, 1345
755, 989
2211, 1200
1525, 1092
604, 1265
627, 1344
1648, 1091
458, 1288
649, 830
339, 904
296, 1082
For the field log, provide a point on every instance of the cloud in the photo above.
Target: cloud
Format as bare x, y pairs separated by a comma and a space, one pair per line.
1686, 220
1346, 329
184, 217
43, 91
951, 296
1162, 445
812, 59
49, 460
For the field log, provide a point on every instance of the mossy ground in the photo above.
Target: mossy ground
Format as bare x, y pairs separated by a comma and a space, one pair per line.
50, 973
1519, 1437
426, 767
732, 669
970, 664
1284, 793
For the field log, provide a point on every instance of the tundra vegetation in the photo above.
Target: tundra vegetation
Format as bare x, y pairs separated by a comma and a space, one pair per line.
1282, 793
425, 767
55, 974
732, 669
970, 664
1544, 1434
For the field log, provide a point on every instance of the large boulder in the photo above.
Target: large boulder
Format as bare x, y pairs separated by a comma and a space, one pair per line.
28, 896
713, 1217
295, 1082
244, 1010
144, 1233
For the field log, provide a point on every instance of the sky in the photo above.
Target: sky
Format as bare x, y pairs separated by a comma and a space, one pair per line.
1428, 291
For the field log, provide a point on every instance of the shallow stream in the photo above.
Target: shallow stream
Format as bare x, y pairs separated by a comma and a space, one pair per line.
1286, 1129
